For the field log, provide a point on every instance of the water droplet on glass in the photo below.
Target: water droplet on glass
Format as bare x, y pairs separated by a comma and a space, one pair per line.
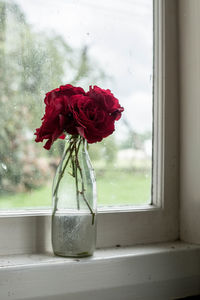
4, 166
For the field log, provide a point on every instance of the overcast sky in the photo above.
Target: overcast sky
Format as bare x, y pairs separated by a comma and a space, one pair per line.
119, 36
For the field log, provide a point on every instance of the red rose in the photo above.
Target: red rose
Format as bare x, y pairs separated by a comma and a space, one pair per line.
95, 112
70, 110
58, 117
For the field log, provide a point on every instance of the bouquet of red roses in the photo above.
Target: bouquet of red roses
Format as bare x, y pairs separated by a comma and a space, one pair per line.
71, 110
82, 116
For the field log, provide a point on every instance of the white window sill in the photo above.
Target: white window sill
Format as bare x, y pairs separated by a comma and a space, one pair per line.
159, 271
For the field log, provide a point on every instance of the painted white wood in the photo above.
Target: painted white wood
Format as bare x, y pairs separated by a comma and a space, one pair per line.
27, 234
189, 25
17, 235
159, 105
162, 271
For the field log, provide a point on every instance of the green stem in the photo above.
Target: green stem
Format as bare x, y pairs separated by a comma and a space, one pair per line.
83, 190
63, 157
76, 174
61, 172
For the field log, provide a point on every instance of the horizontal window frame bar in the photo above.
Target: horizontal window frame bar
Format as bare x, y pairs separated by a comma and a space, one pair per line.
101, 210
32, 234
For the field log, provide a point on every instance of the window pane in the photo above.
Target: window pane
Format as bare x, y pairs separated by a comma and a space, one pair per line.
44, 44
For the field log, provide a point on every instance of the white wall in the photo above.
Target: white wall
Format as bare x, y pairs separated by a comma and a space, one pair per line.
189, 21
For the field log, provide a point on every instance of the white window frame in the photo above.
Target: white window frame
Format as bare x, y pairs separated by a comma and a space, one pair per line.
28, 232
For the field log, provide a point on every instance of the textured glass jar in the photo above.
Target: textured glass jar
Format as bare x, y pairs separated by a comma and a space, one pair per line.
74, 202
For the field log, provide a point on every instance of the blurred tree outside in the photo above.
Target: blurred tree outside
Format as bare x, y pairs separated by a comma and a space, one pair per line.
31, 64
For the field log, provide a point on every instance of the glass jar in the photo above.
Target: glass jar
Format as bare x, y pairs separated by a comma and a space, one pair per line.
74, 202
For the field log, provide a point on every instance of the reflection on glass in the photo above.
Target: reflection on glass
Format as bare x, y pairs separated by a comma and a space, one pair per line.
44, 44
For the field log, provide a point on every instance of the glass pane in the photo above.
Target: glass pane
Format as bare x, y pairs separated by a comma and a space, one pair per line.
46, 43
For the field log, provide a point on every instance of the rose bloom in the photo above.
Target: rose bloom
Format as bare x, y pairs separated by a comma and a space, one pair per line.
58, 117
70, 110
96, 113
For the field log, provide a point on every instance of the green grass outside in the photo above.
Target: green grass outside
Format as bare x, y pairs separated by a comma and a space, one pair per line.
113, 188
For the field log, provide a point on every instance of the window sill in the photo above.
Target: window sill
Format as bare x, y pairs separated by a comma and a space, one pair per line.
159, 271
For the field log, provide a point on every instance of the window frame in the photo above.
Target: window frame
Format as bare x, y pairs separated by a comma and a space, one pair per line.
30, 231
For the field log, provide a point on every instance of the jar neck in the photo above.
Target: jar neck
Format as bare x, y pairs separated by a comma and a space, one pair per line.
78, 141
